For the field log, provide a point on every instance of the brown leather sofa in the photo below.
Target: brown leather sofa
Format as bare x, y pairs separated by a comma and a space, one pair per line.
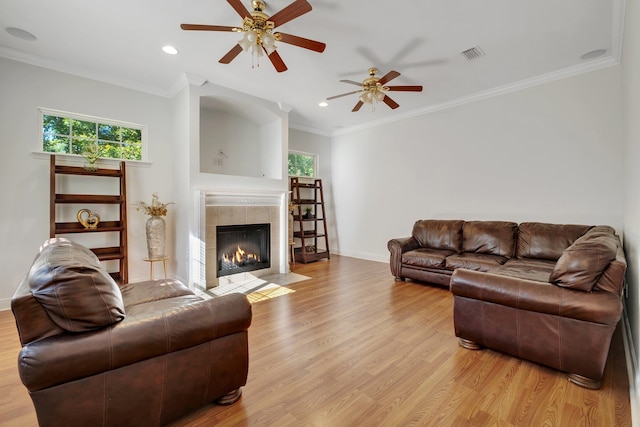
141, 354
548, 293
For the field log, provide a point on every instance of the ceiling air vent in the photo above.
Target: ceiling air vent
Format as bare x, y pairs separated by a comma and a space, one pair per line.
473, 53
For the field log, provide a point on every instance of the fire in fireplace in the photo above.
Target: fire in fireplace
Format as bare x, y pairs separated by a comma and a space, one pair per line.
242, 248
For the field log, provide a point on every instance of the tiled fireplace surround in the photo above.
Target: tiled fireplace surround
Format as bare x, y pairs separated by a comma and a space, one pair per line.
224, 208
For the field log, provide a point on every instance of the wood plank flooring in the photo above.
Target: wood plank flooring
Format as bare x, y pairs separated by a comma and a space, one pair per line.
352, 347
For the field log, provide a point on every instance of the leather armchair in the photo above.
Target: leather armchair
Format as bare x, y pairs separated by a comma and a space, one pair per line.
142, 354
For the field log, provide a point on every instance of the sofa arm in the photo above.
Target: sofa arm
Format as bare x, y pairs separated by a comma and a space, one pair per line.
396, 248
597, 306
167, 326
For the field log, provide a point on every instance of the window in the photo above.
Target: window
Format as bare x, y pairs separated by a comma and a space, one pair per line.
302, 164
68, 133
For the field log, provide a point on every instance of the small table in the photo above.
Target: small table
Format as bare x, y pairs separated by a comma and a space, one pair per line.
152, 260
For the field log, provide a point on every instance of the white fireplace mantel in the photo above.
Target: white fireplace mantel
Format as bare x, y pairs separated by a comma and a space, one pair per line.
244, 198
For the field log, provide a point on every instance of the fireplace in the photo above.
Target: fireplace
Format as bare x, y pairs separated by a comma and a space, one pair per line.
242, 248
226, 208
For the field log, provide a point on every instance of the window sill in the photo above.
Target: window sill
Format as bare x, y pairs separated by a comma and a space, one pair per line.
77, 160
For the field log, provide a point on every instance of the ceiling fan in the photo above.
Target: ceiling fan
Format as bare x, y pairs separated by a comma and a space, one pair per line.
373, 89
258, 29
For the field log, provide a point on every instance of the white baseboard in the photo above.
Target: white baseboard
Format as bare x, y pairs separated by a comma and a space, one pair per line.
361, 255
632, 370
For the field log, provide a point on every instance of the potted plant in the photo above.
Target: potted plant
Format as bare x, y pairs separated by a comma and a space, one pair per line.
307, 214
91, 154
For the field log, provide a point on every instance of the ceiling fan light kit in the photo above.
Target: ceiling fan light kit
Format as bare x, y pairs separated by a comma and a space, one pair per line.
258, 32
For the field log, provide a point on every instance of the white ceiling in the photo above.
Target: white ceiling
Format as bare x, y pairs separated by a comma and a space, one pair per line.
525, 43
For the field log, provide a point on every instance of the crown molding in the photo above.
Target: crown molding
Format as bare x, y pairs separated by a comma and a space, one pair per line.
82, 72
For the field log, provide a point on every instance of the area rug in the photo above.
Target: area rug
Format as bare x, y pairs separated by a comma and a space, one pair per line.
256, 288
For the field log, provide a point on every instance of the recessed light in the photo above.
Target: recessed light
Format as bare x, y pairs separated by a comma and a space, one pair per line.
21, 34
593, 54
168, 49
323, 103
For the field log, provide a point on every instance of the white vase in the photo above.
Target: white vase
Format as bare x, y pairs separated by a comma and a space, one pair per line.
155, 237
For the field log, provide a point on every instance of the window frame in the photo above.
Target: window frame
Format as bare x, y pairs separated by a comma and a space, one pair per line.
316, 161
42, 111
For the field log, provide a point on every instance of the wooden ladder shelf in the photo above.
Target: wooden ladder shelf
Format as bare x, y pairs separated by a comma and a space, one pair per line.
311, 240
119, 226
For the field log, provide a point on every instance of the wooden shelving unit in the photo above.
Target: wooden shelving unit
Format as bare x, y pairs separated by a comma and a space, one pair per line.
311, 241
112, 253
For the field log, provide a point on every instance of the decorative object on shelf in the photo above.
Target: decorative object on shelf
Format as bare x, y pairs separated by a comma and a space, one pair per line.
307, 213
91, 220
91, 153
155, 226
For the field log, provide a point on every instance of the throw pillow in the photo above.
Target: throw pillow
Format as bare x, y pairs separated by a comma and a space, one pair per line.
77, 293
581, 264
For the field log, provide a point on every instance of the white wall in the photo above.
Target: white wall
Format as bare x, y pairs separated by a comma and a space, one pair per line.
236, 137
550, 153
631, 137
24, 215
270, 149
278, 122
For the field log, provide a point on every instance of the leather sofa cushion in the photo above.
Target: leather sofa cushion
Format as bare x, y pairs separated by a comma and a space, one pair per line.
526, 268
139, 293
547, 241
582, 263
425, 258
439, 234
67, 279
471, 261
489, 237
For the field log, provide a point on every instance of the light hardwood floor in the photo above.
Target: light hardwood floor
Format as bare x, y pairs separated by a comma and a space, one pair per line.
352, 347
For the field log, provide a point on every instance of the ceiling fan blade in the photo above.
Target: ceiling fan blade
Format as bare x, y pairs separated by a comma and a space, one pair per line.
405, 88
235, 51
277, 62
295, 9
199, 27
239, 7
390, 102
352, 82
357, 107
388, 77
343, 94
301, 42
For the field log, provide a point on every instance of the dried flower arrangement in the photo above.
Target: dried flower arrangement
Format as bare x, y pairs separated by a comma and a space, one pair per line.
156, 208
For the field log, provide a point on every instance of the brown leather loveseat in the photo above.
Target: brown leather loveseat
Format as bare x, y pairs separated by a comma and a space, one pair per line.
548, 293
141, 354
